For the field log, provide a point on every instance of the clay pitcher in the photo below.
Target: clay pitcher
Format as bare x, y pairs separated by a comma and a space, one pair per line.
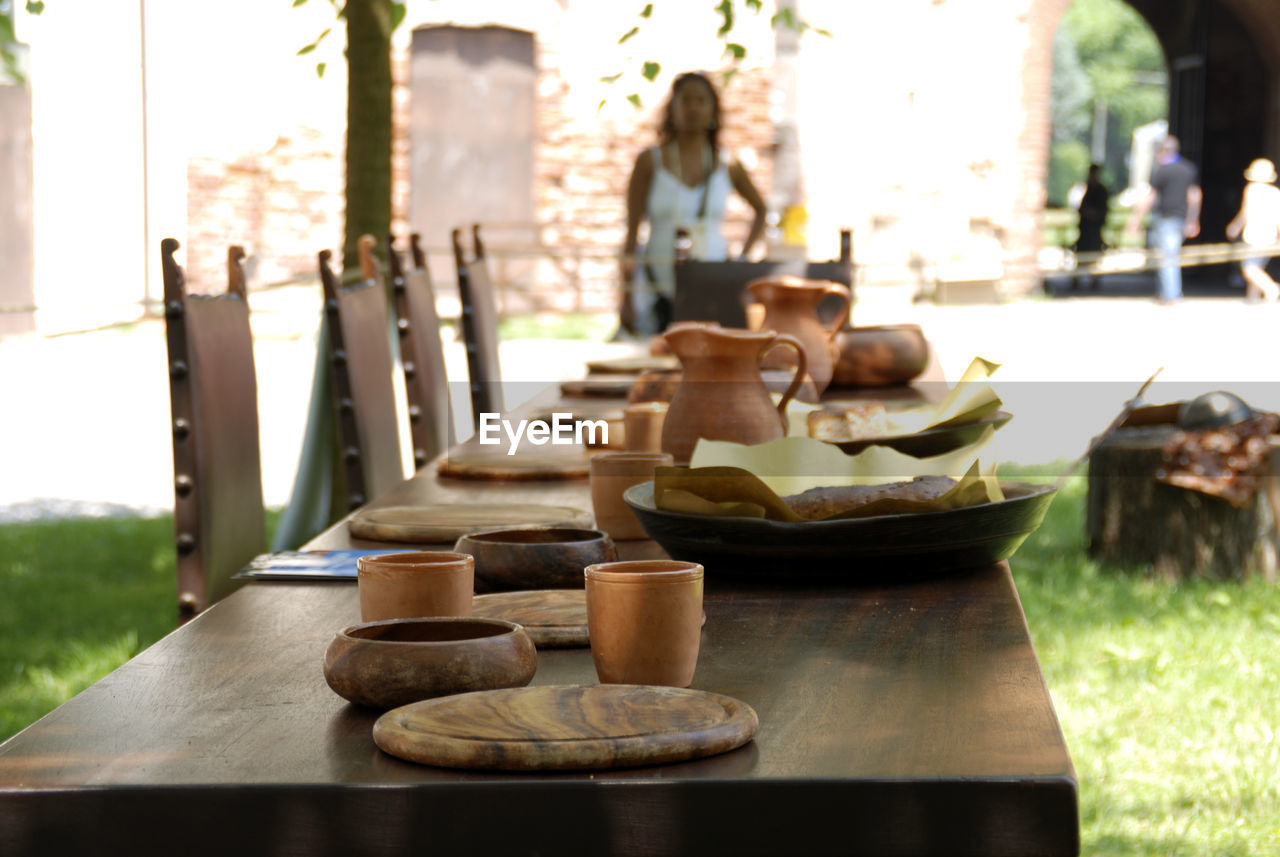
791, 306
721, 394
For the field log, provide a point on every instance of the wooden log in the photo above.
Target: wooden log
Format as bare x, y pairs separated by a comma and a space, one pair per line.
1137, 522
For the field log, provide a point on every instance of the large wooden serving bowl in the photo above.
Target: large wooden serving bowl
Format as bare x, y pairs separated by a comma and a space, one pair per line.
880, 356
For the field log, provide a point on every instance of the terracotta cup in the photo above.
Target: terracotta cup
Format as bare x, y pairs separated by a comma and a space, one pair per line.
643, 426
415, 585
644, 619
611, 474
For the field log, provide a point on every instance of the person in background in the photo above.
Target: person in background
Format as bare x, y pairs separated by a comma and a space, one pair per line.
1174, 199
1258, 223
1093, 216
681, 184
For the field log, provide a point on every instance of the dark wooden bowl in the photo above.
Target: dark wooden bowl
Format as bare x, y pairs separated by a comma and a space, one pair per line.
855, 550
535, 557
880, 356
392, 663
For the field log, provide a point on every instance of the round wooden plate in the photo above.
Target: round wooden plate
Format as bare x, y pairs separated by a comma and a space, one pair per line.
566, 728
615, 386
536, 463
435, 524
633, 365
553, 618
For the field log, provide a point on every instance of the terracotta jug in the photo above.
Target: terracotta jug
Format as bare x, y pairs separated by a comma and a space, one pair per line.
721, 394
791, 306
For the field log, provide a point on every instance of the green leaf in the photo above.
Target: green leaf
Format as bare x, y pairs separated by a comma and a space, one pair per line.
611, 78
755, 5
726, 11
600, 106
398, 12
647, 11
303, 51
320, 67
6, 31
737, 50
785, 17
297, 3
651, 70
35, 7
634, 99
628, 34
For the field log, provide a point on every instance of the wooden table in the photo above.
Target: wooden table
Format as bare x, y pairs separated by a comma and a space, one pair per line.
902, 719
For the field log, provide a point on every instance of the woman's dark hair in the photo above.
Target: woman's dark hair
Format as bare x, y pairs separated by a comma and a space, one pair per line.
667, 130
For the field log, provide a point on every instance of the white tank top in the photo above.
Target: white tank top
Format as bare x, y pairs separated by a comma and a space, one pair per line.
1262, 214
672, 204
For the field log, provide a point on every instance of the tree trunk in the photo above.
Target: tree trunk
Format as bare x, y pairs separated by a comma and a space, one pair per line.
368, 159
1177, 534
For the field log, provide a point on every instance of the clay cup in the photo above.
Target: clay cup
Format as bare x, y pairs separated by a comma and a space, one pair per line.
611, 474
644, 619
415, 585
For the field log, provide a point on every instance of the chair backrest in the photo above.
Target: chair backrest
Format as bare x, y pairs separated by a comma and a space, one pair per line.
421, 353
479, 326
217, 466
363, 392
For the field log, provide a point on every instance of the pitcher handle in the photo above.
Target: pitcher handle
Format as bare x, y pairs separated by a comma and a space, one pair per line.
847, 299
802, 366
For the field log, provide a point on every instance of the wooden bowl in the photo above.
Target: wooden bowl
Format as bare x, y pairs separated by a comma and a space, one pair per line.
394, 662
880, 356
535, 557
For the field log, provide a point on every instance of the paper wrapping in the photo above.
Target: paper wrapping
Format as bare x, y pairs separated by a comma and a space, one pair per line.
737, 492
971, 399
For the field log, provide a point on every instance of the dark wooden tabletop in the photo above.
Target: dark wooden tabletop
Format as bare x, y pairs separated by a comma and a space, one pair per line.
902, 718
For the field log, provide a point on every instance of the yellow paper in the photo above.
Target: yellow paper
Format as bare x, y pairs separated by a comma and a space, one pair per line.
795, 464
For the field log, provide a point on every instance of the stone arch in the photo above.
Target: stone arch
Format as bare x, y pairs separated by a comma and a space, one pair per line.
1239, 43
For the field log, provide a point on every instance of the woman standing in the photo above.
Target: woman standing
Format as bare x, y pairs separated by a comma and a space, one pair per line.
680, 185
1258, 222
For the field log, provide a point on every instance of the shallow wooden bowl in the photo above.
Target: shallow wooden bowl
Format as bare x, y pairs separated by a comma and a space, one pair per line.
535, 557
398, 661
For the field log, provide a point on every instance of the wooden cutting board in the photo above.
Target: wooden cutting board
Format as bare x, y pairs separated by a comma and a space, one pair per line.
566, 728
537, 463
553, 618
437, 524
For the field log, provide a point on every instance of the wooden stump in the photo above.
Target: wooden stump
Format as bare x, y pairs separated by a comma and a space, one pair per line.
1135, 521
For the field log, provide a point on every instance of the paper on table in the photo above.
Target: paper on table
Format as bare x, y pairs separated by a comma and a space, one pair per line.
971, 399
791, 465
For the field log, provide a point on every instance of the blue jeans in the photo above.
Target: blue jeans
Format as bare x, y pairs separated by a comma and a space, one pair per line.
1166, 234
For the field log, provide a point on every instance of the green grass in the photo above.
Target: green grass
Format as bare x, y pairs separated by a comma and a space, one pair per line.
558, 326
78, 597
1169, 694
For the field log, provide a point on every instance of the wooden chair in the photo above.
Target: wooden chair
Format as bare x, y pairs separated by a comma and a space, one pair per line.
217, 465
479, 326
363, 393
421, 354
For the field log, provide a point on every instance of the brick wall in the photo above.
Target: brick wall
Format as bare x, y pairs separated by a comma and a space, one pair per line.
284, 205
